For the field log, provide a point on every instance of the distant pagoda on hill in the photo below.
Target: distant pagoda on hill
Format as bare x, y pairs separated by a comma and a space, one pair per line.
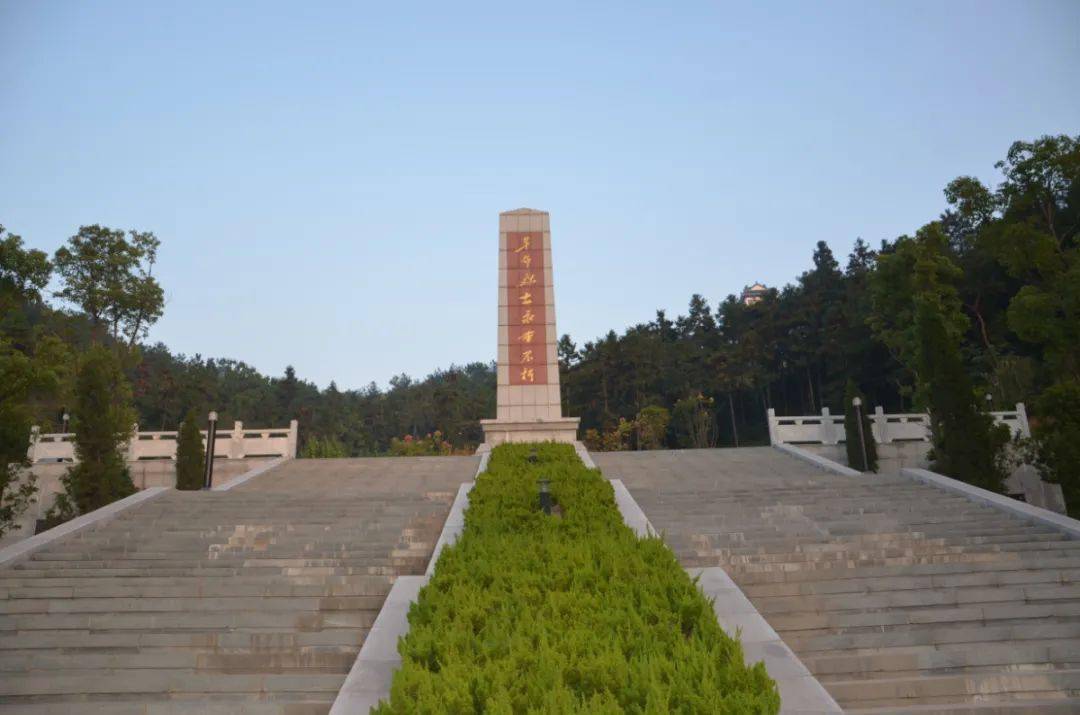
753, 293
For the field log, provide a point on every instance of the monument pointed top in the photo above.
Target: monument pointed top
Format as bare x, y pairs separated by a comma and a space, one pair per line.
522, 210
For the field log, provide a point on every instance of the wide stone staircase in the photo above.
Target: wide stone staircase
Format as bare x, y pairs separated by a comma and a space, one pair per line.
898, 596
254, 600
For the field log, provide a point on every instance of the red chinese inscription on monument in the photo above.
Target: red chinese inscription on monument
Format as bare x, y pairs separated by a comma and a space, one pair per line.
527, 301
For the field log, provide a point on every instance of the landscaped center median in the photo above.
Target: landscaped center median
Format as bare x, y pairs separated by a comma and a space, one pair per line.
570, 612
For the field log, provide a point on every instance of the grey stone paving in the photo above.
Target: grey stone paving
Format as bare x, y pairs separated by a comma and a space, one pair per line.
898, 596
254, 600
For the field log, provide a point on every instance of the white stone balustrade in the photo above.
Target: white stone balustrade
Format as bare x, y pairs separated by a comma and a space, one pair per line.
887, 428
237, 443
805, 429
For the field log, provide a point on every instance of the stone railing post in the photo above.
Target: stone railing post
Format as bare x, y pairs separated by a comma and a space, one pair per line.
1021, 418
774, 437
35, 437
828, 433
294, 427
928, 428
880, 426
133, 444
236, 444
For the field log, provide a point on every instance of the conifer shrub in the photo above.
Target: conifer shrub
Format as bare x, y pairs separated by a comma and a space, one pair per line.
190, 457
566, 613
851, 431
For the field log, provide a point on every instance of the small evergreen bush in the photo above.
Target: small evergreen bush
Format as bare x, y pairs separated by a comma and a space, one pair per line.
561, 614
190, 457
851, 430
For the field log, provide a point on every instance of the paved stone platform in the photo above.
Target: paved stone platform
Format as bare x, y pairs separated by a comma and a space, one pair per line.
898, 596
255, 600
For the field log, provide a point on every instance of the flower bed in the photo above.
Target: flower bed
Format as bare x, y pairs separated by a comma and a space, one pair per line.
565, 613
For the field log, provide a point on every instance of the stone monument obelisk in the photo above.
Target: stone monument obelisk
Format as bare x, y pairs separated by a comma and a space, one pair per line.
529, 401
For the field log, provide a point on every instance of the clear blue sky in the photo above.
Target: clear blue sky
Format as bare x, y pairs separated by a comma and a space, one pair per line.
326, 178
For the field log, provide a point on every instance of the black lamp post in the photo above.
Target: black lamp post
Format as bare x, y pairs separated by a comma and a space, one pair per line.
544, 485
857, 404
545, 496
211, 437
66, 419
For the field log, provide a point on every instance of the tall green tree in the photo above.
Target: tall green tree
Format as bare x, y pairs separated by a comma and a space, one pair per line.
108, 275
24, 272
103, 421
967, 444
1058, 441
23, 378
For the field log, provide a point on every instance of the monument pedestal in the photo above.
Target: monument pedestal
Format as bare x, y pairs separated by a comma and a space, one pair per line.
529, 404
563, 429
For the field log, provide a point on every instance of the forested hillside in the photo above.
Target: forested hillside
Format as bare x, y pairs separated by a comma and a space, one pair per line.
1006, 279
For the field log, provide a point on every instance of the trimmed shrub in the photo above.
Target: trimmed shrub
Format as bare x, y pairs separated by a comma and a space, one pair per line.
190, 457
564, 613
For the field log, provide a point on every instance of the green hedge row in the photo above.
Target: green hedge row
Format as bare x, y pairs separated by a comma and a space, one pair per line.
564, 614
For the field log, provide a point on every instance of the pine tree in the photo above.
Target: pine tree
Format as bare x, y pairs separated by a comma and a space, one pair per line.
103, 418
851, 429
190, 459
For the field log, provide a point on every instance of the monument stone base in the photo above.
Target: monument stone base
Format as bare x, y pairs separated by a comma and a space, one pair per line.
498, 432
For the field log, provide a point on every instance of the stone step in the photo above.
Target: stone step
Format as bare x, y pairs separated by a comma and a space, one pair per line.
163, 680
307, 704
913, 660
310, 659
200, 604
210, 640
778, 542
387, 569
225, 562
961, 688
816, 623
974, 635
187, 620
1052, 561
745, 557
826, 569
224, 554
1027, 706
891, 584
908, 599
217, 578
196, 588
